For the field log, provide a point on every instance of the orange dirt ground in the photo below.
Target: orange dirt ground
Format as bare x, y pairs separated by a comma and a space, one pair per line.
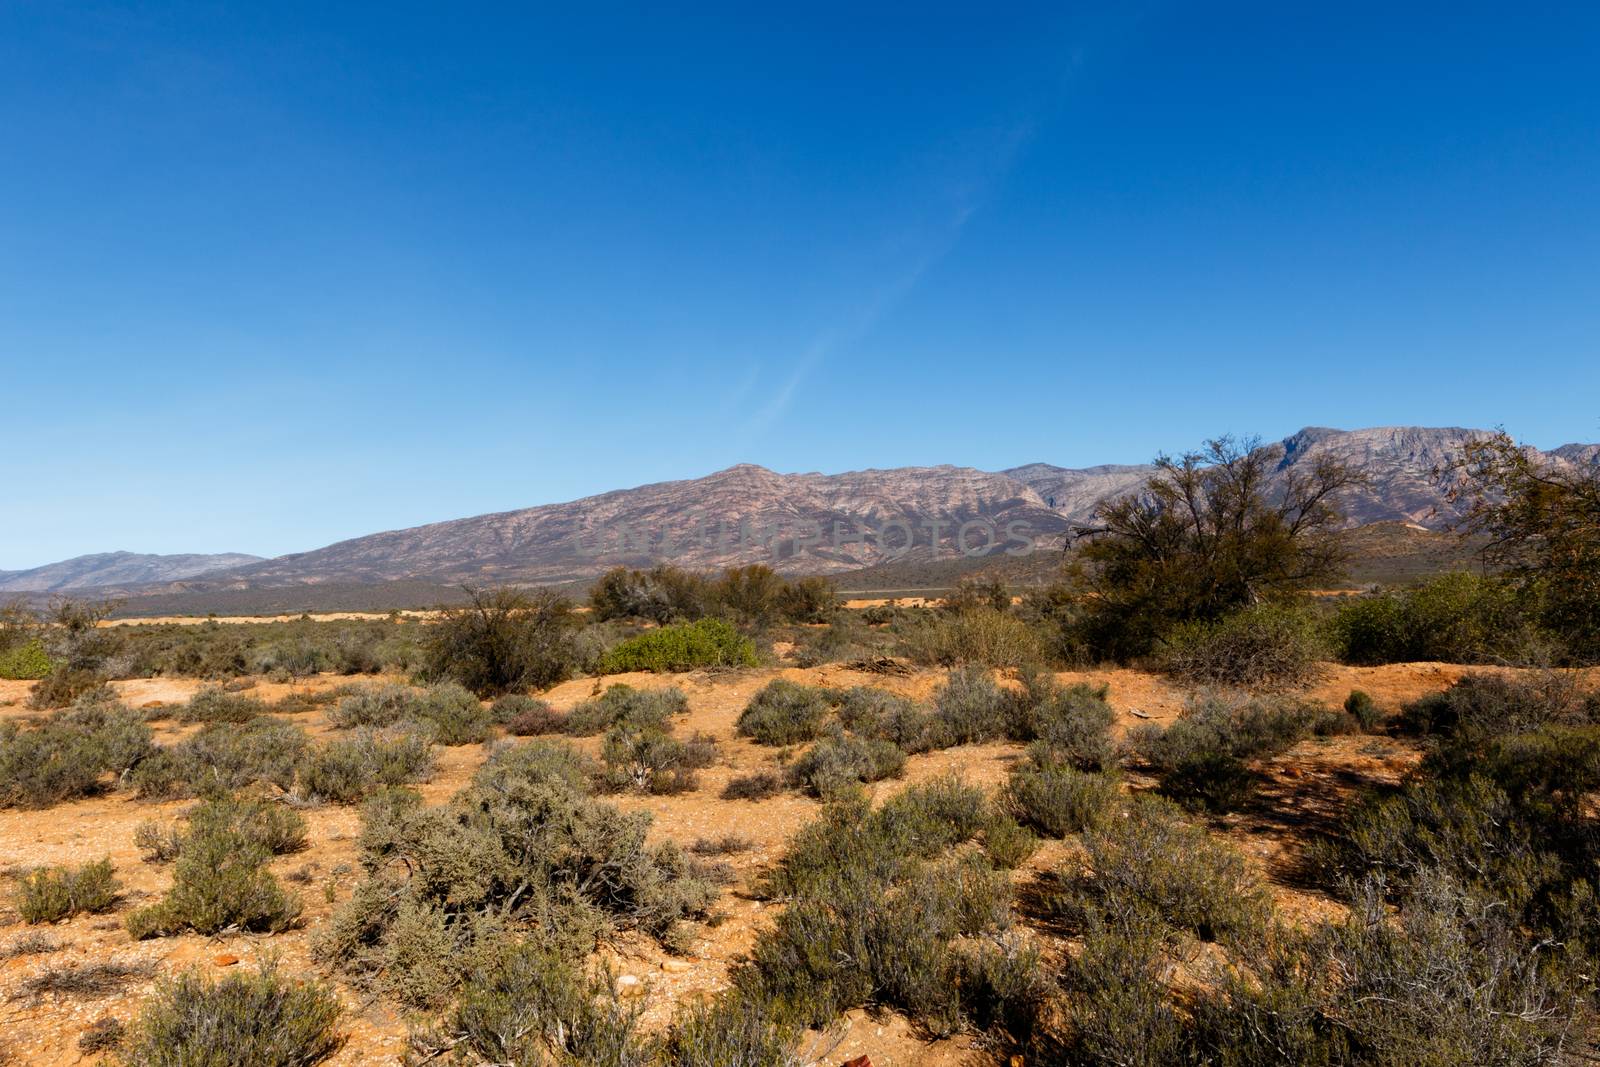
1305, 787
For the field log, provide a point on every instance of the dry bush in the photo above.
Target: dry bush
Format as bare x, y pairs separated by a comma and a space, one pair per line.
786, 713
839, 762
262, 1019
51, 894
220, 880
623, 705
102, 1035
224, 756
650, 760
981, 637
213, 703
524, 848
504, 641
350, 768
86, 980
761, 785
1265, 646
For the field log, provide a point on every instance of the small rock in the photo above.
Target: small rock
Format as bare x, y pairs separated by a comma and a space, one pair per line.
675, 966
859, 1061
225, 960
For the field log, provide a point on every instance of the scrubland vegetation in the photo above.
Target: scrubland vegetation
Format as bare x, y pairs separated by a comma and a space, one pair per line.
1101, 898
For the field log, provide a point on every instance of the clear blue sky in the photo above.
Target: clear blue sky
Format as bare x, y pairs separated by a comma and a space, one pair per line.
272, 275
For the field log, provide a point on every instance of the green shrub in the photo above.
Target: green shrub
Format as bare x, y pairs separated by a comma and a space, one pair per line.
347, 769
981, 637
224, 756
259, 1020
1058, 799
456, 716
1480, 706
623, 705
1201, 758
26, 662
529, 1005
220, 880
681, 647
1265, 646
51, 894
214, 704
661, 595
1453, 618
786, 713
274, 826
1153, 860
1122, 1009
503, 641
839, 762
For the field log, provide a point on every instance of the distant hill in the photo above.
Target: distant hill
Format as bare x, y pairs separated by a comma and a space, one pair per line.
810, 523
117, 570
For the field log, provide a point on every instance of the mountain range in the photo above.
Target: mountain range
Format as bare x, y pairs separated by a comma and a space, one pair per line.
105, 570
811, 523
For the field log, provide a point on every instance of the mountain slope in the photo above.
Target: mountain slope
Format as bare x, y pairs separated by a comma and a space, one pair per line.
108, 570
813, 522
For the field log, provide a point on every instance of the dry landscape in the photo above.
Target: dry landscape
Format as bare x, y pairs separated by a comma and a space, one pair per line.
1306, 787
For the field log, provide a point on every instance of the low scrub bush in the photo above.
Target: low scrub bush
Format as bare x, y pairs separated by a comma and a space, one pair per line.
263, 1020
623, 705
759, 786
970, 708
877, 904
1480, 706
350, 768
681, 647
1119, 986
455, 716
1201, 758
529, 1005
1265, 646
1074, 723
1152, 860
214, 704
220, 880
224, 757
840, 762
522, 850
70, 754
982, 636
274, 826
1056, 798
731, 1030
650, 760
786, 713
525, 716
51, 894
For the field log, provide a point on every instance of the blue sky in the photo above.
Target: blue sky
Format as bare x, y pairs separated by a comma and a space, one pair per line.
274, 275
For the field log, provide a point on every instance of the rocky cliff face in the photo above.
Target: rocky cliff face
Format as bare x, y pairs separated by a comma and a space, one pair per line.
836, 522
106, 570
